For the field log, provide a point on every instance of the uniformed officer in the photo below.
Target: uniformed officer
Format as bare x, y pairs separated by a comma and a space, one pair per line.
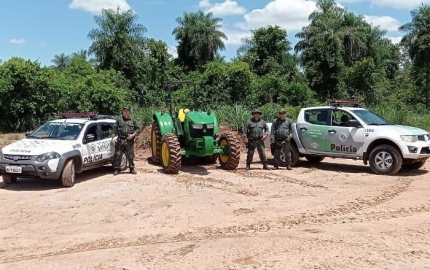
126, 129
280, 135
256, 131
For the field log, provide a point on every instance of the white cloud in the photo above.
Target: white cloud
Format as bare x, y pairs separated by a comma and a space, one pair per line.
235, 37
96, 6
291, 15
395, 40
385, 22
172, 50
18, 41
225, 8
399, 4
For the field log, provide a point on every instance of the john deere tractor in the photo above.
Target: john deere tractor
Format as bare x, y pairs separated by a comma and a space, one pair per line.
190, 133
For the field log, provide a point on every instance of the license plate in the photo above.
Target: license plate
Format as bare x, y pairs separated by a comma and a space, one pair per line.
13, 169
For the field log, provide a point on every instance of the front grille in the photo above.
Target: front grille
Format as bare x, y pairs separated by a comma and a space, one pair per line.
423, 138
199, 133
425, 151
17, 157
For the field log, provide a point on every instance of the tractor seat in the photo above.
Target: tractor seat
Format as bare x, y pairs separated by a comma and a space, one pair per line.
182, 114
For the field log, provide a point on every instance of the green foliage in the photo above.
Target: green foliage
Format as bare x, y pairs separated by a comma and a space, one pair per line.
341, 56
234, 116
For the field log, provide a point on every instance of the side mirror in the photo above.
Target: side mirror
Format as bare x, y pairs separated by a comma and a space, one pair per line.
90, 137
354, 123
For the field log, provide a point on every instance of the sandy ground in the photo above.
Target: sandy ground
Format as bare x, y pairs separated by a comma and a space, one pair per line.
333, 215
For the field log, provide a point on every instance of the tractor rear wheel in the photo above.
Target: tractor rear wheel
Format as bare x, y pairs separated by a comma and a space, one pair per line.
170, 153
230, 160
156, 143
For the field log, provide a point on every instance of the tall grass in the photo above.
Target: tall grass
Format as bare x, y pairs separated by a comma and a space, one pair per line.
233, 116
403, 115
143, 116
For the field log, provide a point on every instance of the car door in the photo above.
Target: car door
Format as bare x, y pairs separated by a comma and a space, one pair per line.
313, 131
91, 154
343, 139
105, 145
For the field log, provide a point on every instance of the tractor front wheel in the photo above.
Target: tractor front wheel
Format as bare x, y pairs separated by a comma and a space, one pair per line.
156, 143
230, 159
170, 153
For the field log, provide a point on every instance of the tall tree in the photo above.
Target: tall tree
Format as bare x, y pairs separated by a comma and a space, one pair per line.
200, 38
118, 42
267, 51
60, 61
416, 41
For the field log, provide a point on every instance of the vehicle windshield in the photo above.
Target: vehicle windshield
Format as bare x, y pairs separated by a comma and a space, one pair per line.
57, 131
370, 118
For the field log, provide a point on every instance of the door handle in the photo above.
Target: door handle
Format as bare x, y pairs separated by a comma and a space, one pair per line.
332, 131
303, 129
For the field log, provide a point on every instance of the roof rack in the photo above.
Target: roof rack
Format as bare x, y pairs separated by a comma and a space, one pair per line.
340, 102
89, 116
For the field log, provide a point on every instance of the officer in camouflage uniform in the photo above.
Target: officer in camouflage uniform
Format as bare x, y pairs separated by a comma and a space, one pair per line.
126, 129
280, 135
256, 131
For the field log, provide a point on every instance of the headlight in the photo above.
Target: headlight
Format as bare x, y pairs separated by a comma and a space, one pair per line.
197, 126
409, 138
210, 126
47, 156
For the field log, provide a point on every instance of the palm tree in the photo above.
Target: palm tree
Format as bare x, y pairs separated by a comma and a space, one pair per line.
118, 41
60, 61
199, 37
416, 41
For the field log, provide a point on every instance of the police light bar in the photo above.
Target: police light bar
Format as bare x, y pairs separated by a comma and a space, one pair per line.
78, 115
338, 102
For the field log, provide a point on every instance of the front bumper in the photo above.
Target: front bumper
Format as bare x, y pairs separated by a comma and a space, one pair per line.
48, 169
418, 150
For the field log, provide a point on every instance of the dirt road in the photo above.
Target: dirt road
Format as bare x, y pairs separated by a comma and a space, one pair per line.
334, 215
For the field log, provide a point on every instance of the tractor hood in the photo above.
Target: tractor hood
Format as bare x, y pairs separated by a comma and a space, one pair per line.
200, 118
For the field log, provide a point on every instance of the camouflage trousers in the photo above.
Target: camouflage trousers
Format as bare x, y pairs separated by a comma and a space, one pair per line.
122, 146
259, 144
284, 147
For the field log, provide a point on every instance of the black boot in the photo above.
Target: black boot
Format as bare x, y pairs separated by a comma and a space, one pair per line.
289, 167
265, 167
248, 167
115, 172
133, 171
276, 167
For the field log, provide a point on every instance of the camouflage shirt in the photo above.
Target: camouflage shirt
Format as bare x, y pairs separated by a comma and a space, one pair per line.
124, 127
281, 129
255, 129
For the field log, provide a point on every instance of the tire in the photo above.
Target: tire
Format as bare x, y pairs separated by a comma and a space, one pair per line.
156, 143
295, 155
68, 176
314, 159
124, 162
385, 156
211, 159
7, 179
170, 153
414, 166
231, 160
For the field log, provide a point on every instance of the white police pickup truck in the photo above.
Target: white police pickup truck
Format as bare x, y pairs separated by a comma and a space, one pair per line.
61, 149
356, 133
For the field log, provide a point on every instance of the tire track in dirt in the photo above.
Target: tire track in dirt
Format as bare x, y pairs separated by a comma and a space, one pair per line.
205, 234
279, 178
330, 216
209, 182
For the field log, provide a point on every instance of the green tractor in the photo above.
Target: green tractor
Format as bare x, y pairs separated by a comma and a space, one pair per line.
191, 134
